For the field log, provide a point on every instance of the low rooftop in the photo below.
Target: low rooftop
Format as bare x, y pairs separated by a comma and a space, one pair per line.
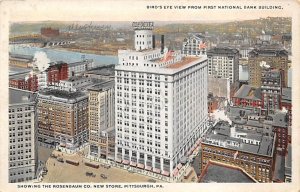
20, 56
222, 174
18, 96
287, 95
221, 132
61, 93
102, 86
222, 50
248, 92
279, 168
268, 51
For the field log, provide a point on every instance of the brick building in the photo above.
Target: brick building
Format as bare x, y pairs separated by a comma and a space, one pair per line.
49, 32
24, 81
56, 72
271, 90
274, 58
247, 96
62, 118
251, 150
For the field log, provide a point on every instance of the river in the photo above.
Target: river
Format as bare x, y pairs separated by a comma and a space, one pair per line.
70, 56
63, 55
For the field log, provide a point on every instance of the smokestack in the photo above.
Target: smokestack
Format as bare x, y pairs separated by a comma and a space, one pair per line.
153, 41
162, 44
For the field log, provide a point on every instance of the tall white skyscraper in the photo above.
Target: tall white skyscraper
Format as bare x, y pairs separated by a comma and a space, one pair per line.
22, 135
161, 103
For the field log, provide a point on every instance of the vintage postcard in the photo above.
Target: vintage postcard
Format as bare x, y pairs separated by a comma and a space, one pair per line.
149, 95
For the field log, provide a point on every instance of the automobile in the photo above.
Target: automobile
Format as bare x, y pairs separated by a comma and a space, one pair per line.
103, 176
59, 159
107, 166
151, 181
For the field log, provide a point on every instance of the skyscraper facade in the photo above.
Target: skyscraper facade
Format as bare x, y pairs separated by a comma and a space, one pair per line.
161, 103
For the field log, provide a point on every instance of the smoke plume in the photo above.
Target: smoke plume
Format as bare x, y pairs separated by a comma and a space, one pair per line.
41, 61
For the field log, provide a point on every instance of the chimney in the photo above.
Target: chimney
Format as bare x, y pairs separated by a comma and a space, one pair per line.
232, 131
162, 44
153, 41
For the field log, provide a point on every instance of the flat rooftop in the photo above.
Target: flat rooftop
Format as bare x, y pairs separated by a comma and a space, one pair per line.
102, 85
61, 93
221, 174
18, 96
287, 95
20, 56
183, 62
279, 168
18, 70
221, 132
248, 92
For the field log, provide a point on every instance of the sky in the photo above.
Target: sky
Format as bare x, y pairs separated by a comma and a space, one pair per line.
132, 10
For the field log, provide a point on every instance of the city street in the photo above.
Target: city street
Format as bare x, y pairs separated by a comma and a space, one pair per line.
64, 172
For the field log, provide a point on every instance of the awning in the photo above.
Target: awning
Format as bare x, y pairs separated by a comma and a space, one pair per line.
148, 168
133, 163
166, 173
175, 172
126, 162
155, 170
179, 166
118, 160
139, 165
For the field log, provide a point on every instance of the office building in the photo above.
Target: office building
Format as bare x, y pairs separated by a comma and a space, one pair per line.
267, 57
249, 149
22, 136
271, 90
223, 62
194, 44
161, 103
62, 118
78, 68
102, 120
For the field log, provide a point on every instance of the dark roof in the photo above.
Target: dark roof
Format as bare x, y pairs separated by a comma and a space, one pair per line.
221, 174
221, 132
102, 86
61, 93
287, 95
280, 119
56, 63
20, 56
18, 96
222, 50
248, 92
288, 157
268, 52
279, 168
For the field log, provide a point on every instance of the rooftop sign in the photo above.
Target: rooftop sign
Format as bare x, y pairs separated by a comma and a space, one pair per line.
143, 25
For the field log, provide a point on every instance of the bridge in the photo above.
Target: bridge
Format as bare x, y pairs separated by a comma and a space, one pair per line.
57, 43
